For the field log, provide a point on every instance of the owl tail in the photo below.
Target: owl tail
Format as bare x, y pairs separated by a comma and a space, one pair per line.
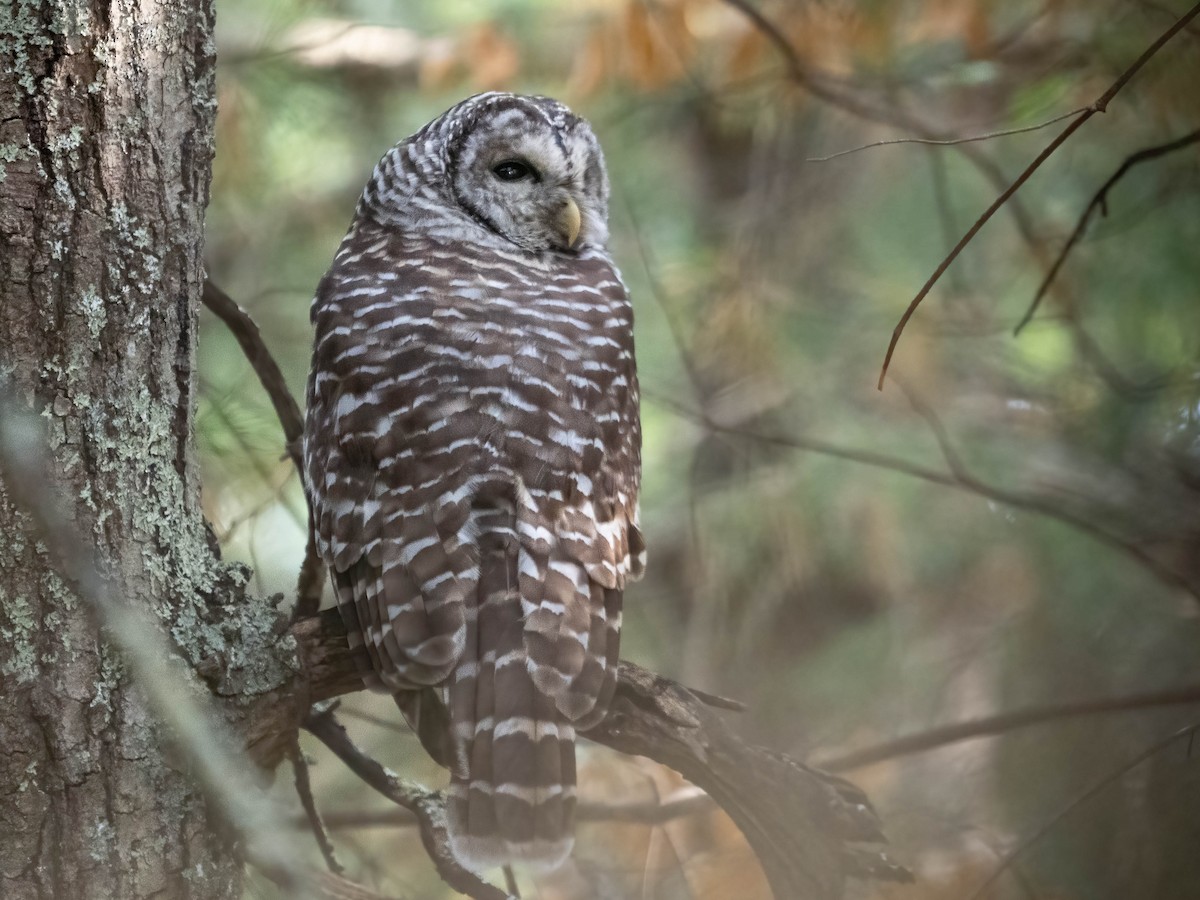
512, 789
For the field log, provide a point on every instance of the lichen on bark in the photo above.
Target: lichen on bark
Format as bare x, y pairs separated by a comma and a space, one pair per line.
105, 161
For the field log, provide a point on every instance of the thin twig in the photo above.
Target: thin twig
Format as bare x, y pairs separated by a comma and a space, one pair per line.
960, 477
991, 726
395, 725
269, 375
1099, 106
245, 330
969, 481
1099, 201
1091, 792
311, 814
949, 142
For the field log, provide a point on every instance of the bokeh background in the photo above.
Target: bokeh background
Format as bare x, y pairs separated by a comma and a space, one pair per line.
1013, 522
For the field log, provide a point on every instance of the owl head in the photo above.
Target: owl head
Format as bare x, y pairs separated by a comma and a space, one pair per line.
522, 169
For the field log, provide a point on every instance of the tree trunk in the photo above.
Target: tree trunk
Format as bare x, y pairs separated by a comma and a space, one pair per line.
106, 144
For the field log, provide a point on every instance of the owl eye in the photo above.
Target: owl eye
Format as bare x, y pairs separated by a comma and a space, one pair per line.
513, 170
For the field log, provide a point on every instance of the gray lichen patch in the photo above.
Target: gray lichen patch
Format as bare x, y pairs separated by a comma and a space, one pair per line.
18, 633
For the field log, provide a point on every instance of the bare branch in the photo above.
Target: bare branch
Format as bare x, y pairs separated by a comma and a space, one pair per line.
959, 477
269, 375
964, 478
1099, 106
1099, 202
991, 726
1091, 792
312, 815
949, 142
796, 819
427, 806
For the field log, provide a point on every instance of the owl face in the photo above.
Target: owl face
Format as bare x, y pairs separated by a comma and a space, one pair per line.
531, 171
525, 170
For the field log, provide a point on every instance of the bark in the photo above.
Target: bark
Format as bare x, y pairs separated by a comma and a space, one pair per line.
106, 143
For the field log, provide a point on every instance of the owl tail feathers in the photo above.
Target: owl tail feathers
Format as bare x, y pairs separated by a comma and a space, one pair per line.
514, 799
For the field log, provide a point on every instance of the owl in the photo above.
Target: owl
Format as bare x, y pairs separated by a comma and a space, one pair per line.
472, 456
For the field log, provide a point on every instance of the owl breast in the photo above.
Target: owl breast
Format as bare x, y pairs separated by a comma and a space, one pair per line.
477, 361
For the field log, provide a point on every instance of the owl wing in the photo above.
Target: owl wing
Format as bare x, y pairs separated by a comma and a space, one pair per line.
578, 519
386, 515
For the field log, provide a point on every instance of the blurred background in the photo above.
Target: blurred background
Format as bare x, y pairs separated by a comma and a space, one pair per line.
1014, 522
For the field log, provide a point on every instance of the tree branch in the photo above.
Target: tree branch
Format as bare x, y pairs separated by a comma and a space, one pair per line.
1099, 106
797, 820
269, 374
991, 726
1099, 201
427, 806
691, 803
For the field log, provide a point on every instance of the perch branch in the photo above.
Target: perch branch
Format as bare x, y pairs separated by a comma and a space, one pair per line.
796, 819
1099, 201
1099, 106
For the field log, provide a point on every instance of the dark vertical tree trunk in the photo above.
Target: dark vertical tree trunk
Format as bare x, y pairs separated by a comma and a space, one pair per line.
106, 143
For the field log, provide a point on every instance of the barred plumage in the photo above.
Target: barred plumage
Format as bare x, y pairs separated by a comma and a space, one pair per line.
472, 455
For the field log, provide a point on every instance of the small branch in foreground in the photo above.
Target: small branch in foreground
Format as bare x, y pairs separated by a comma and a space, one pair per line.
250, 338
426, 806
992, 726
1099, 201
312, 815
1099, 106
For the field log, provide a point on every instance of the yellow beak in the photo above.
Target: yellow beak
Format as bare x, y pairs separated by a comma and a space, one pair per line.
570, 221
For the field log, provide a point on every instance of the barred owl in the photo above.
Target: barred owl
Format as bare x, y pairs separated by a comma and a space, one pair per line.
472, 456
